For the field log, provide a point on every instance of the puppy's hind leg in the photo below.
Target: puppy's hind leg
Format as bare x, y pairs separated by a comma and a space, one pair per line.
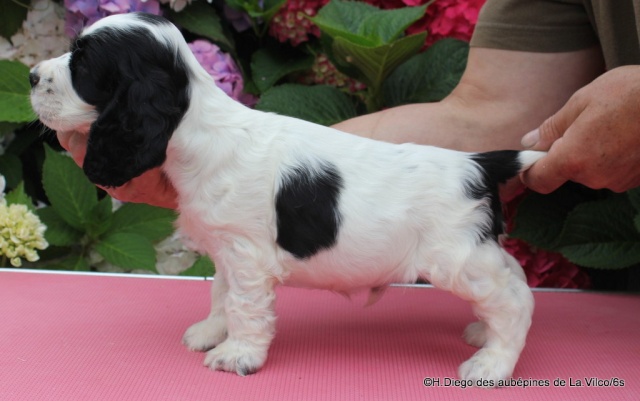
503, 302
211, 331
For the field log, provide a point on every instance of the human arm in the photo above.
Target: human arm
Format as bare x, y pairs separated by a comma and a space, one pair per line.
502, 95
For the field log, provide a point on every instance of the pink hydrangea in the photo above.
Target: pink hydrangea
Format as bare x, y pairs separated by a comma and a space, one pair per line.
291, 23
447, 19
544, 268
82, 13
222, 68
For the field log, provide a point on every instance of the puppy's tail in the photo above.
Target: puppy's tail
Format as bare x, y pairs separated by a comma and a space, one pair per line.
496, 168
499, 166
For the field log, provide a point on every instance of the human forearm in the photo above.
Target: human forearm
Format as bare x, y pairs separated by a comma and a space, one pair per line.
502, 96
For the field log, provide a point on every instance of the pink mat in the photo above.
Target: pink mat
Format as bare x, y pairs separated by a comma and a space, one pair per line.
85, 337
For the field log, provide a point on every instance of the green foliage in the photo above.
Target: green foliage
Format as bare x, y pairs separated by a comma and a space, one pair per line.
429, 76
14, 93
268, 66
203, 20
203, 267
594, 229
12, 13
257, 9
78, 220
368, 42
18, 196
320, 104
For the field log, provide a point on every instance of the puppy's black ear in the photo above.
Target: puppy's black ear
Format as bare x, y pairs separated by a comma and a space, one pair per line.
132, 133
141, 95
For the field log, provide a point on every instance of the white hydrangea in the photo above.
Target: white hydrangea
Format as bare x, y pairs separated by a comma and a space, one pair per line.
21, 233
41, 37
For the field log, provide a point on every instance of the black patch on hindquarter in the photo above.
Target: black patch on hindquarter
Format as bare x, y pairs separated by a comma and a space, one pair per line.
307, 212
496, 167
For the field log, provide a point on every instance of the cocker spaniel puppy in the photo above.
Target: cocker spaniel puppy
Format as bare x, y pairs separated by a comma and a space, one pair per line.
274, 199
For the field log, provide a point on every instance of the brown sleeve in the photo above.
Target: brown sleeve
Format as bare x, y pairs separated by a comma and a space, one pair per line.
534, 25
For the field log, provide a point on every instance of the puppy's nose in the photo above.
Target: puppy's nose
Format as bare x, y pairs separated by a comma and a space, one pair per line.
34, 78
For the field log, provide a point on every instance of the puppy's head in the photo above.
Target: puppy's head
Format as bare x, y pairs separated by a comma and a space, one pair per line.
125, 82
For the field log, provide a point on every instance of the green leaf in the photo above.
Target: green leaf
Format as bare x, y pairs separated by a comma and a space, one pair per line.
202, 267
634, 198
68, 189
540, 218
11, 169
257, 9
58, 232
202, 19
129, 251
388, 25
376, 63
19, 196
604, 255
268, 66
363, 24
152, 223
601, 234
14, 92
73, 262
320, 104
12, 13
429, 76
100, 218
344, 19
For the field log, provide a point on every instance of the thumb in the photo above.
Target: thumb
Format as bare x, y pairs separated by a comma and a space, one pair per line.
554, 127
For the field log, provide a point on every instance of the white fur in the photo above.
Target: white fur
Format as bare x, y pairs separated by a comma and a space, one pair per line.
405, 216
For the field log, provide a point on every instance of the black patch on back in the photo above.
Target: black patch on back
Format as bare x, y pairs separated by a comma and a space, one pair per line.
307, 212
497, 167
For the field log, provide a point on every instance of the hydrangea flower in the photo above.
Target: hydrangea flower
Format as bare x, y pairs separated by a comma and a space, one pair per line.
83, 13
41, 36
222, 68
21, 232
323, 72
447, 19
544, 268
291, 23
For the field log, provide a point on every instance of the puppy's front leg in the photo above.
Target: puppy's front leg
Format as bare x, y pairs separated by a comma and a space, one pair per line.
211, 331
250, 314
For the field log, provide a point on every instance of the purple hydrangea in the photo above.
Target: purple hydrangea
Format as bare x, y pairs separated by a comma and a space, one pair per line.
82, 13
223, 69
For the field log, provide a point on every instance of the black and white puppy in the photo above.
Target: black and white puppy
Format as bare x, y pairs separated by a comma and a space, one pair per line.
274, 199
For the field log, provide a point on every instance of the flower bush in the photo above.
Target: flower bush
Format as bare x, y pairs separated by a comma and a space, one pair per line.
320, 60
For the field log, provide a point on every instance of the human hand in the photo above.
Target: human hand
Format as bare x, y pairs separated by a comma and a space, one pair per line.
594, 139
152, 187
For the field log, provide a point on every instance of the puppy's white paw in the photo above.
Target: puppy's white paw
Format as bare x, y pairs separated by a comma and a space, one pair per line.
488, 365
476, 334
206, 334
236, 356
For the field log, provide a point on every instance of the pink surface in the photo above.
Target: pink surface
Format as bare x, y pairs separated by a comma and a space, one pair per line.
83, 337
